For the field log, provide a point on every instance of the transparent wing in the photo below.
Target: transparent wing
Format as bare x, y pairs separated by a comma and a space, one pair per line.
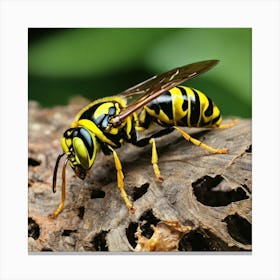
156, 85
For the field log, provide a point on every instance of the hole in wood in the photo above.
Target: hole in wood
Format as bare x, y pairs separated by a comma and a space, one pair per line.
147, 219
130, 233
249, 149
204, 240
140, 191
81, 212
205, 192
67, 232
46, 250
239, 228
33, 162
99, 241
194, 241
97, 193
33, 229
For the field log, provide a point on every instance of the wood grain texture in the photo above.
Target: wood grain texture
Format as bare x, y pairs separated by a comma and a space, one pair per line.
210, 193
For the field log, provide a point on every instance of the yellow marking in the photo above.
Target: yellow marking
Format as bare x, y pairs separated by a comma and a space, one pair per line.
118, 99
199, 143
68, 142
177, 103
155, 159
102, 109
120, 181
216, 113
128, 122
161, 116
137, 121
92, 127
203, 101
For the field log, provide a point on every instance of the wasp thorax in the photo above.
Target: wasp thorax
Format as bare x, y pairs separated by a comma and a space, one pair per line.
80, 146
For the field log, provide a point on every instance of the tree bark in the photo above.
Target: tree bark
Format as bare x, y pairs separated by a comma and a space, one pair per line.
203, 204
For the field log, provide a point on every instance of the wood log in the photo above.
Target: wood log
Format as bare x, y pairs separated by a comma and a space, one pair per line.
203, 204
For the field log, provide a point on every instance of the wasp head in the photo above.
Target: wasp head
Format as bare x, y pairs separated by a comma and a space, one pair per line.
80, 146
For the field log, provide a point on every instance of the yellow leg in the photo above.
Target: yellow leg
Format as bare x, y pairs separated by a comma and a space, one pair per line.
227, 125
199, 143
120, 178
155, 159
63, 193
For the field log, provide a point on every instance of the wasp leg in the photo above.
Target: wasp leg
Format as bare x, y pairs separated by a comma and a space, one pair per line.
150, 140
155, 159
120, 178
60, 206
227, 125
63, 193
199, 143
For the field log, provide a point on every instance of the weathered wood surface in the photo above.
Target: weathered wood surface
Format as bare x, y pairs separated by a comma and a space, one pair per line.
209, 193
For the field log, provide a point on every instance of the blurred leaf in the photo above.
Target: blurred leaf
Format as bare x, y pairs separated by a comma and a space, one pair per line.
96, 62
232, 46
90, 51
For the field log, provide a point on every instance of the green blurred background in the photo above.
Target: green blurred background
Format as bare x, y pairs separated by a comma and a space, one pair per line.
98, 62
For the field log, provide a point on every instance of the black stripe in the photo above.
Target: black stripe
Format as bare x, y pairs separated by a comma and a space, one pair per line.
185, 97
195, 109
203, 123
115, 138
183, 121
209, 111
147, 120
216, 119
88, 114
102, 120
153, 105
164, 103
104, 147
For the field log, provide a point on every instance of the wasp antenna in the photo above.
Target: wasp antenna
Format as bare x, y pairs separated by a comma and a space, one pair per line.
55, 171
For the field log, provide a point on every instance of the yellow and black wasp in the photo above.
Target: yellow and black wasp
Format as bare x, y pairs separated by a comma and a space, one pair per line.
109, 122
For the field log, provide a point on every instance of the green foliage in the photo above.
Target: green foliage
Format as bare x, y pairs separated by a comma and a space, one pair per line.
96, 62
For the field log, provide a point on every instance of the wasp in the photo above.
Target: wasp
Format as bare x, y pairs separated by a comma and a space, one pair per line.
107, 123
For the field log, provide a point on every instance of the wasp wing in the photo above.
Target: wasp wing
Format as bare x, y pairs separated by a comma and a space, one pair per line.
156, 85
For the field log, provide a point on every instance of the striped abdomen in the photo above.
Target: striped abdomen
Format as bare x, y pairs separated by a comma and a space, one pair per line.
181, 106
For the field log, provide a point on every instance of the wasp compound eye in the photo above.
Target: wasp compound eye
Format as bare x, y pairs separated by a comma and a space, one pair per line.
84, 144
85, 138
